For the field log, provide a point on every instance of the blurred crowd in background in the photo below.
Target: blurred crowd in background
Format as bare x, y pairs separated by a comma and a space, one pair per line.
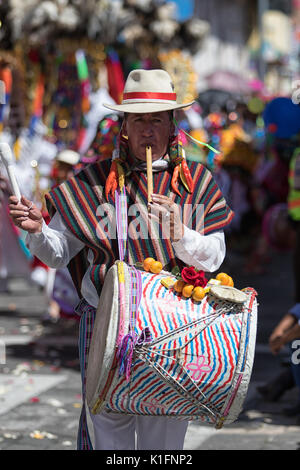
239, 60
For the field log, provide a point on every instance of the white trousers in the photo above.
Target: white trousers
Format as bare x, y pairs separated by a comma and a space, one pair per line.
113, 431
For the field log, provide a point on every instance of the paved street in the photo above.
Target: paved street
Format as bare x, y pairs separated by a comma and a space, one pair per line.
40, 389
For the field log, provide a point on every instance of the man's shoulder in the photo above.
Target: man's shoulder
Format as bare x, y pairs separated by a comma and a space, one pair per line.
198, 168
98, 171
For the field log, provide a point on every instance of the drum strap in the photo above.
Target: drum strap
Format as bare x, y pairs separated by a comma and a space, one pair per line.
122, 221
87, 318
128, 341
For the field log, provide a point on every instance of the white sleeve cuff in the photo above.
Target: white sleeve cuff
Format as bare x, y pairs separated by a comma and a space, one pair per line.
205, 252
186, 241
33, 239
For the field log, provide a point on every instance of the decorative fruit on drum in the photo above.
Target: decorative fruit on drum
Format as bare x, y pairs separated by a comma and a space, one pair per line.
191, 283
187, 290
179, 285
150, 264
198, 293
225, 279
147, 262
156, 267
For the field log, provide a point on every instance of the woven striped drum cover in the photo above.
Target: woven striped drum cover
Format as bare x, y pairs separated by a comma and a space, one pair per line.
189, 360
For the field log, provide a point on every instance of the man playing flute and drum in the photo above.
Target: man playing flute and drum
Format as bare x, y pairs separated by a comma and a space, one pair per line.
76, 238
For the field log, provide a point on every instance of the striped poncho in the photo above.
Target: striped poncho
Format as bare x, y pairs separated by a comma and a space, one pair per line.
90, 217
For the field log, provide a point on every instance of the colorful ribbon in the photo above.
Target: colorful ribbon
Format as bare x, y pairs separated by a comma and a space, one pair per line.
196, 140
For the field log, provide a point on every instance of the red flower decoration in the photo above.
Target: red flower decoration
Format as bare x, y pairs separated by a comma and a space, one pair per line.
192, 276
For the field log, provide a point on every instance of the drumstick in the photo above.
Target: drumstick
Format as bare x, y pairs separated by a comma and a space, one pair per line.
149, 173
6, 157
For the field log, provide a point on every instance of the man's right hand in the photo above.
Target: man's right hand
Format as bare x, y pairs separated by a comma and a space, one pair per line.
25, 214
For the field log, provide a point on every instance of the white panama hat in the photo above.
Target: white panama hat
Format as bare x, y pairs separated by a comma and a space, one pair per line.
68, 156
148, 91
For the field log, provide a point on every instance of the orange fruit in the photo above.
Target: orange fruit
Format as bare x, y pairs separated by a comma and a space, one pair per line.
156, 267
187, 290
230, 283
147, 262
198, 293
179, 285
223, 278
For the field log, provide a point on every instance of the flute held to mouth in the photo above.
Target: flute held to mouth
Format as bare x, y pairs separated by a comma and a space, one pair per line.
149, 173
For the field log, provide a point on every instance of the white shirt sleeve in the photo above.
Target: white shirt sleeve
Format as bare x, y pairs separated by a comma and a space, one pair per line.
206, 252
55, 245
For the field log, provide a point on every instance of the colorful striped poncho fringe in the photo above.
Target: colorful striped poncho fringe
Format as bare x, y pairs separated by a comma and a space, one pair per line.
82, 204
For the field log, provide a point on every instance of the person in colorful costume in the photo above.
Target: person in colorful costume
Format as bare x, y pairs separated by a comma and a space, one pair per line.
294, 214
288, 329
76, 236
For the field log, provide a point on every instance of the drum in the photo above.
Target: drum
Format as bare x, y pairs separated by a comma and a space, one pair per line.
154, 352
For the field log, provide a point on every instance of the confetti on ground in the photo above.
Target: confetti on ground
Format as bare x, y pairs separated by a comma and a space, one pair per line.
34, 399
67, 443
22, 369
21, 389
54, 402
37, 435
48, 435
9, 435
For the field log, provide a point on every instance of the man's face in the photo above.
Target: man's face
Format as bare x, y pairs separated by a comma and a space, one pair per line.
64, 171
153, 129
